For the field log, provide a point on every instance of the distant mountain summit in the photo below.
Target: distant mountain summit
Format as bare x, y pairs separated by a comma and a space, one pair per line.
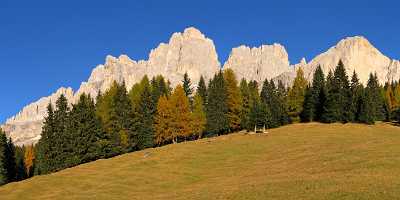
194, 53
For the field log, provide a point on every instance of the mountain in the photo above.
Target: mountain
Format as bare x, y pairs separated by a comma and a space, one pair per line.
189, 52
194, 53
357, 54
258, 63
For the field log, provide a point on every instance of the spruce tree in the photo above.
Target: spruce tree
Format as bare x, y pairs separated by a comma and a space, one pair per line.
3, 159
282, 98
259, 116
233, 100
61, 137
338, 97
308, 112
375, 91
202, 90
217, 109
144, 119
318, 94
246, 103
87, 133
21, 171
269, 96
187, 85
45, 153
356, 97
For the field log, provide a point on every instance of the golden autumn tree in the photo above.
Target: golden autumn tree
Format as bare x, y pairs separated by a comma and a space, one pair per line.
233, 100
296, 94
182, 118
163, 121
173, 119
29, 160
390, 98
199, 119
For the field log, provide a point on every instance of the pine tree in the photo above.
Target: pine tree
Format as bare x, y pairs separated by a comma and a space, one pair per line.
259, 116
374, 90
202, 90
61, 137
356, 97
187, 85
199, 119
233, 100
144, 119
217, 109
338, 97
3, 159
308, 112
318, 94
296, 95
88, 136
282, 98
21, 173
269, 96
367, 111
246, 104
45, 153
158, 88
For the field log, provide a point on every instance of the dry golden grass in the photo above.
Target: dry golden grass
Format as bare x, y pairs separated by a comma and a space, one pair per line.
300, 161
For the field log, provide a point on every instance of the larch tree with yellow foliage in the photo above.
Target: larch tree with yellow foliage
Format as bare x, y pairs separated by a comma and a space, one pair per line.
163, 121
29, 160
233, 99
199, 119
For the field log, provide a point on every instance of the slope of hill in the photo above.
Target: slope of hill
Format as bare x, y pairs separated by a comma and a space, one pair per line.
300, 161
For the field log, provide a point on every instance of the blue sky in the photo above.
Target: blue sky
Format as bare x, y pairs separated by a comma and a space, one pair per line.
48, 44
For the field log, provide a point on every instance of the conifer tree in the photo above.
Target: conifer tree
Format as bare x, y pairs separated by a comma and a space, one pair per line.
233, 100
158, 88
21, 173
338, 97
199, 119
88, 136
356, 97
217, 109
282, 98
269, 96
202, 90
183, 126
174, 119
3, 159
374, 90
308, 112
246, 103
318, 94
296, 94
367, 110
390, 99
45, 153
187, 85
163, 123
29, 160
259, 116
144, 119
10, 158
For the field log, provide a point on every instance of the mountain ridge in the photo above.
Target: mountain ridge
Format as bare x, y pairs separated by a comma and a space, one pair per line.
192, 52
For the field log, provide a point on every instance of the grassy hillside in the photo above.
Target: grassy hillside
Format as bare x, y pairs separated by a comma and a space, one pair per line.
301, 161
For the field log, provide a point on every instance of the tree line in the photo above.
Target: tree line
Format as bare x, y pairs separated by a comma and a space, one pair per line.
153, 114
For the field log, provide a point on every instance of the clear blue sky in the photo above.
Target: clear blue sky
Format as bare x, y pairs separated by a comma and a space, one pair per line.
46, 44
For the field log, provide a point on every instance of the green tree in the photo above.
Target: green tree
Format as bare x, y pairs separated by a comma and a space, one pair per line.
356, 97
217, 108
202, 89
187, 85
45, 153
338, 97
246, 103
318, 94
3, 159
144, 119
308, 112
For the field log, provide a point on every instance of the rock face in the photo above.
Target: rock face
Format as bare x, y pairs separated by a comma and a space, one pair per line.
195, 54
189, 52
25, 127
357, 54
258, 63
